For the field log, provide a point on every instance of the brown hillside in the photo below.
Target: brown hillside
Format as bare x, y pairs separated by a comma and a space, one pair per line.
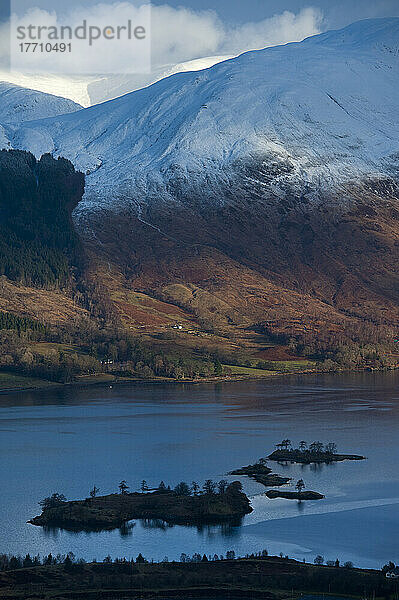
301, 268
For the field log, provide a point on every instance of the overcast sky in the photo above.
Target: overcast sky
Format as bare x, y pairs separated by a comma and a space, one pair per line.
184, 30
336, 13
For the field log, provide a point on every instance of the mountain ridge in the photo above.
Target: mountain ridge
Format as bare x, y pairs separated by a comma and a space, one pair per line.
266, 185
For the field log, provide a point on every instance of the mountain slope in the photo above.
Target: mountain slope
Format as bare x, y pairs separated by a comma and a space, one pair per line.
321, 111
19, 104
268, 182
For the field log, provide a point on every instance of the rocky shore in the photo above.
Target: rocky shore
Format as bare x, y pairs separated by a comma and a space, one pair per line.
309, 495
261, 473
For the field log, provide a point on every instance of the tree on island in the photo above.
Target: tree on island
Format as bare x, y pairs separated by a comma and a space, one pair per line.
52, 501
144, 486
330, 448
123, 487
300, 485
162, 487
319, 560
286, 444
94, 492
303, 446
222, 486
316, 447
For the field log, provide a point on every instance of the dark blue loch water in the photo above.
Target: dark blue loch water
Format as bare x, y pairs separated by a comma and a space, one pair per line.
68, 440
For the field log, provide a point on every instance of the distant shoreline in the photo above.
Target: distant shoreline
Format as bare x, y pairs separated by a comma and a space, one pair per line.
105, 379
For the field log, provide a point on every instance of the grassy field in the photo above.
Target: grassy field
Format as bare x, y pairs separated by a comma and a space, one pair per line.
294, 365
46, 348
248, 371
11, 381
285, 366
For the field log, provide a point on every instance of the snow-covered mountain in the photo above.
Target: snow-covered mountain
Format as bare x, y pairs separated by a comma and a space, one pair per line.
19, 104
90, 90
64, 86
113, 86
297, 119
263, 188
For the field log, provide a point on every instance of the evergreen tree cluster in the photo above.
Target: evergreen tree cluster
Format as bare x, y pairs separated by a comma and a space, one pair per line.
37, 239
21, 324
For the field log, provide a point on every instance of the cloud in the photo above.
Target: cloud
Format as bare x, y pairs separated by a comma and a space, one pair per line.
97, 39
177, 35
279, 29
180, 34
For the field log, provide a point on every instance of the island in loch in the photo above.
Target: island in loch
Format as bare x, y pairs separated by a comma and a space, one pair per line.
305, 495
214, 503
261, 473
316, 452
300, 493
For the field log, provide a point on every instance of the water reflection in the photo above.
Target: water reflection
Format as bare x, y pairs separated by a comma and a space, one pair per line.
227, 529
52, 531
300, 506
127, 529
57, 440
156, 524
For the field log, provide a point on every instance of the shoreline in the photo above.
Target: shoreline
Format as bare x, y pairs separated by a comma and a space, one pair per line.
101, 380
50, 385
267, 578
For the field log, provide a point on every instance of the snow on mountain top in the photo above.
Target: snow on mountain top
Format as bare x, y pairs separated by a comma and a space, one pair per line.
19, 104
64, 86
315, 113
369, 34
113, 86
